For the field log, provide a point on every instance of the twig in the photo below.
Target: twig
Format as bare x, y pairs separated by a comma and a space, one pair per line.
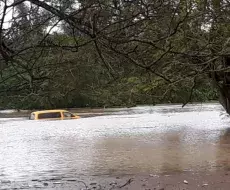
83, 184
127, 183
107, 65
191, 93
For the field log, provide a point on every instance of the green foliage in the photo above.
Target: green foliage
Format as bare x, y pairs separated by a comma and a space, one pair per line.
113, 53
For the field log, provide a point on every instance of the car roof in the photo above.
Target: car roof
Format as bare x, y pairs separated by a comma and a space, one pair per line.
48, 111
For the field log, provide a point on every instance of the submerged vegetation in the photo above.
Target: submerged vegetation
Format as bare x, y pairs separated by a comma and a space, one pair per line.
79, 53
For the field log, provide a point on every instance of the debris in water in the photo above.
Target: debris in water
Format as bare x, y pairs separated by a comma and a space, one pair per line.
113, 183
5, 181
71, 180
37, 186
57, 182
127, 183
55, 178
185, 182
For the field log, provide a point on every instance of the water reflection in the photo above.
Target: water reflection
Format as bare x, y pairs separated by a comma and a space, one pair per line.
158, 153
173, 152
223, 150
166, 140
225, 137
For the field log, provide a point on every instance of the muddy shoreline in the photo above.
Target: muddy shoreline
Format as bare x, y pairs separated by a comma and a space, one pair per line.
179, 181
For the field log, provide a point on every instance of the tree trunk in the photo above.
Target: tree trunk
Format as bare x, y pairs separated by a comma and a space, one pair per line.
224, 98
221, 81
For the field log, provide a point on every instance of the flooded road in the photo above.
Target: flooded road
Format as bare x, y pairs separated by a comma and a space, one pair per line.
160, 139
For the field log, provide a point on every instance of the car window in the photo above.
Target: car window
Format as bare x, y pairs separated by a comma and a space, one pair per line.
32, 116
49, 115
68, 114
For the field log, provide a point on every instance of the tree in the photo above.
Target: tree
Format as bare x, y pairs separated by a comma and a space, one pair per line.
173, 42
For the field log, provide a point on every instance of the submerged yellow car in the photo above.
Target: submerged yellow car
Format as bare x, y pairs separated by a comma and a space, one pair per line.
52, 114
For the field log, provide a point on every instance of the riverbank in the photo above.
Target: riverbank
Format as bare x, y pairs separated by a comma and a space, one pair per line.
188, 180
184, 181
192, 181
92, 112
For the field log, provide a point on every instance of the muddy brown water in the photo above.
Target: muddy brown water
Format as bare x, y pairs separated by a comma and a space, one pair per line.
146, 139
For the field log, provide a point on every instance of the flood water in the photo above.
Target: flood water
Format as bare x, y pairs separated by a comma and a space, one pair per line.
147, 139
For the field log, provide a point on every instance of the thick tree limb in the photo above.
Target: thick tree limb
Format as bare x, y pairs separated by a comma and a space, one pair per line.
84, 27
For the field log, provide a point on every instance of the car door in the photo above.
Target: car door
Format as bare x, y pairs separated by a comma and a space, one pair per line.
68, 115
